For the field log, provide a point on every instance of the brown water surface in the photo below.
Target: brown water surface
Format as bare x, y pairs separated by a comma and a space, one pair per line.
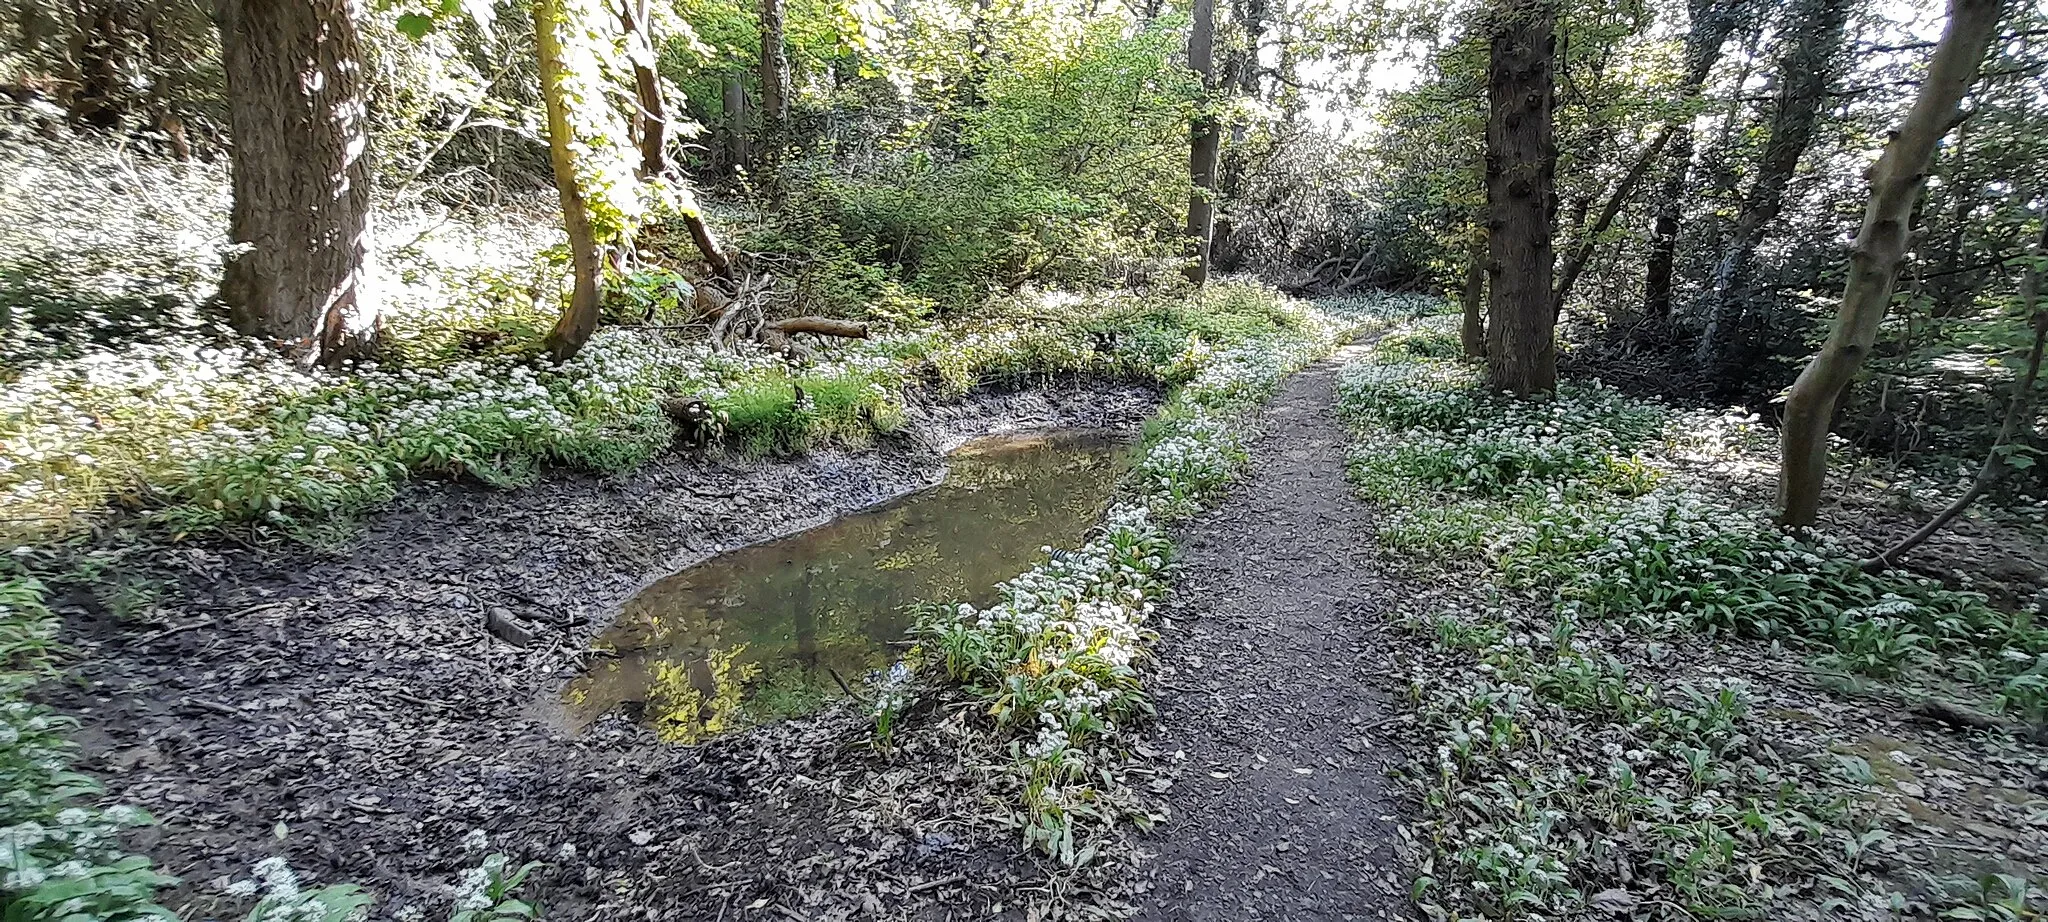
773, 630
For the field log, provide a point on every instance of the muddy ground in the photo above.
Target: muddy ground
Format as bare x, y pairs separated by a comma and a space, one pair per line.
350, 710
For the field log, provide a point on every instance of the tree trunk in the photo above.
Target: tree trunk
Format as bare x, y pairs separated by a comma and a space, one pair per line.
1239, 77
1811, 55
162, 84
1472, 333
1287, 95
1582, 252
301, 214
1880, 246
1717, 162
650, 127
1664, 231
1954, 290
733, 97
579, 321
650, 114
1205, 143
707, 243
1521, 166
1252, 16
105, 59
775, 78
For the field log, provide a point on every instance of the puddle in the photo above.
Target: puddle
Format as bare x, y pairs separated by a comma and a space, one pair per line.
778, 629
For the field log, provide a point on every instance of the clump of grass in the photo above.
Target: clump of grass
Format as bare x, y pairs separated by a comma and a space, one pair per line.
202, 438
780, 415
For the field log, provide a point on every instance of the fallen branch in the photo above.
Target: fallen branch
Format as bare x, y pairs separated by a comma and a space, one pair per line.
1955, 715
823, 326
180, 629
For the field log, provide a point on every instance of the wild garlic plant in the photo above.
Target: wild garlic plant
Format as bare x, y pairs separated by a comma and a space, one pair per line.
1576, 497
206, 435
60, 851
1058, 660
489, 892
281, 897
1567, 778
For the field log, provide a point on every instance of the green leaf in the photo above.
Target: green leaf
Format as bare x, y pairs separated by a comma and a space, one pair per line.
416, 25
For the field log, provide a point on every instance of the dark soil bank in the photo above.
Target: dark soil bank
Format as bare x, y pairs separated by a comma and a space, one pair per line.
1275, 700
355, 703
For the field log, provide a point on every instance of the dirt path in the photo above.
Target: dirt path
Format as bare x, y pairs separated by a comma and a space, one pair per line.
1274, 692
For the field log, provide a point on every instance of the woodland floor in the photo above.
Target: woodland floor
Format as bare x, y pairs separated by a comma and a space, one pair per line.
1277, 696
349, 710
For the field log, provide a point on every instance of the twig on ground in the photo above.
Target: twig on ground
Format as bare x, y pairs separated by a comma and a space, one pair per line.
218, 708
180, 629
946, 881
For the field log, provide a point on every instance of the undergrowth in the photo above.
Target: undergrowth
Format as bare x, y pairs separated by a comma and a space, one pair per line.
1576, 768
60, 851
197, 438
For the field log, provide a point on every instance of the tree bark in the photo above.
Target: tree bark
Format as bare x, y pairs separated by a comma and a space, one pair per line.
579, 320
733, 99
1812, 54
707, 243
106, 51
301, 177
650, 114
1521, 166
1896, 181
1472, 333
162, 83
1664, 230
1582, 252
650, 129
1239, 77
1287, 95
1953, 291
2017, 414
1205, 143
775, 77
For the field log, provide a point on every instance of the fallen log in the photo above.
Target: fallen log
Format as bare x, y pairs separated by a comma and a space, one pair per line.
823, 326
776, 334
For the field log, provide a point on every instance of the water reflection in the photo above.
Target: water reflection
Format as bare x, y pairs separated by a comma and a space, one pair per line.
778, 629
